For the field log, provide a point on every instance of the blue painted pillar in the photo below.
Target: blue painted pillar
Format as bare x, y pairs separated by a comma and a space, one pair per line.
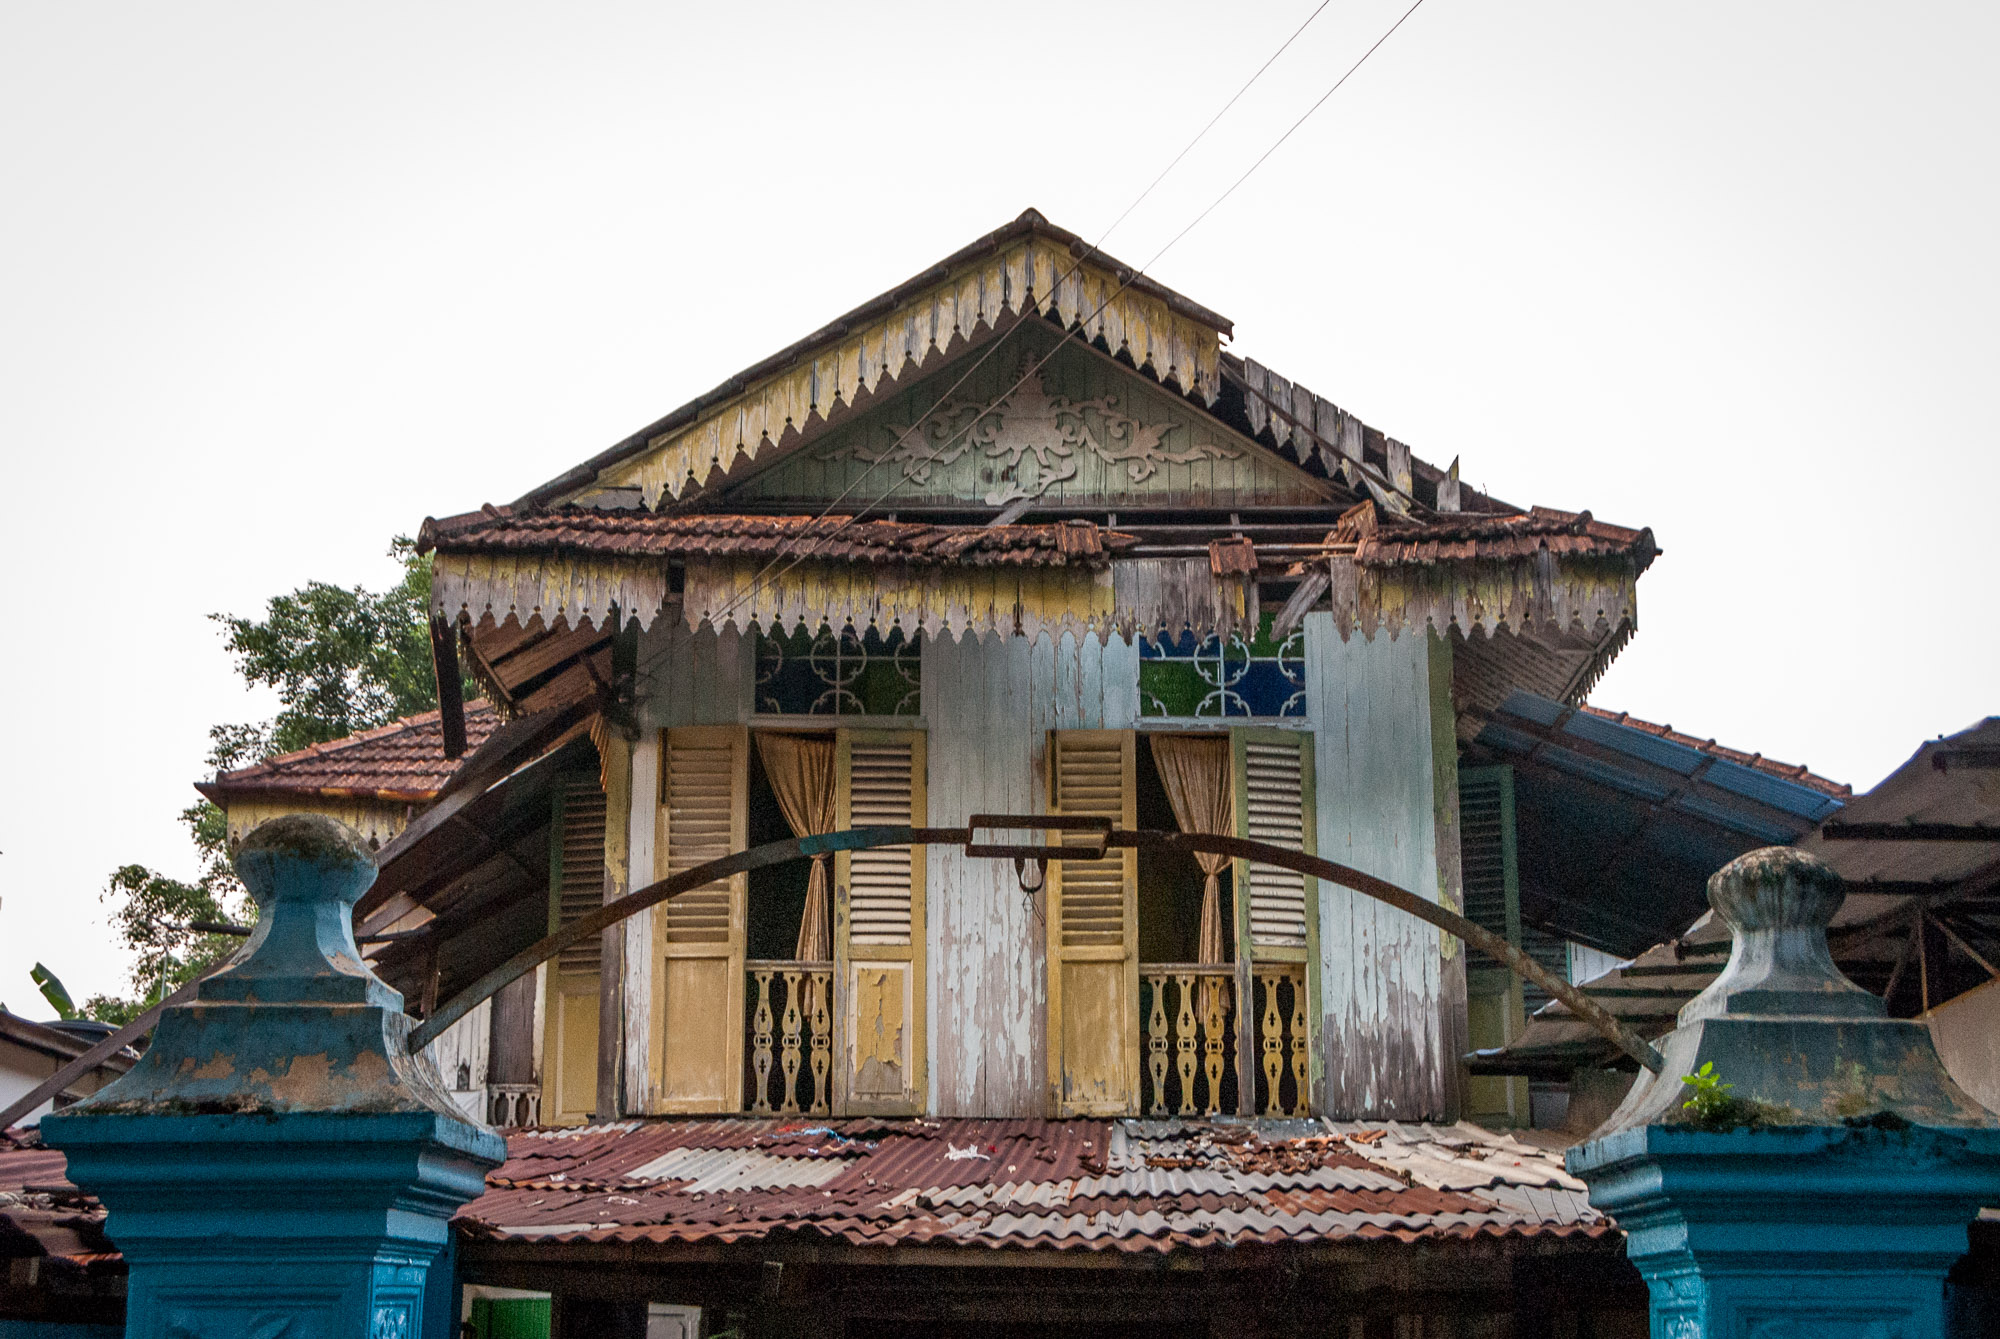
277, 1166
1828, 1192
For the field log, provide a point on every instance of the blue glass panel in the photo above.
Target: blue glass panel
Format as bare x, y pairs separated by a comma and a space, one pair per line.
1223, 677
844, 673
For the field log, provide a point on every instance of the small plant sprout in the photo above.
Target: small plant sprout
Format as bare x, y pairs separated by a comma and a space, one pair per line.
1709, 1097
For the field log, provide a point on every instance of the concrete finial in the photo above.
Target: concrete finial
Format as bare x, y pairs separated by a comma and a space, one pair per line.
1797, 1041
298, 1022
1776, 888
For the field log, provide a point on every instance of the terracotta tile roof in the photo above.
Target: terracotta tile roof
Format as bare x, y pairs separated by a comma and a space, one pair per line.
403, 761
1080, 1184
1474, 536
644, 534
1797, 772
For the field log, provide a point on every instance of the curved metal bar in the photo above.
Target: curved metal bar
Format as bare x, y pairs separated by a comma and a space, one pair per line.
1586, 1009
856, 839
757, 857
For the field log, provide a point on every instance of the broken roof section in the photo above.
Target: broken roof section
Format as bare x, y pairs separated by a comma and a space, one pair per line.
1126, 1185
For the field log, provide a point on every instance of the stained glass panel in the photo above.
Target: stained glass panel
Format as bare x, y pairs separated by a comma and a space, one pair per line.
1223, 677
839, 673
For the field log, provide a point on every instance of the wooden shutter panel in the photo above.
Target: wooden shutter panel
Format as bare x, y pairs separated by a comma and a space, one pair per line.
576, 888
1092, 933
1272, 802
878, 939
580, 878
704, 809
1496, 1008
880, 785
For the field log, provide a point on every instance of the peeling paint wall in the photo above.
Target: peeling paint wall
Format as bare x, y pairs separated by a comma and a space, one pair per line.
460, 1054
1380, 970
989, 704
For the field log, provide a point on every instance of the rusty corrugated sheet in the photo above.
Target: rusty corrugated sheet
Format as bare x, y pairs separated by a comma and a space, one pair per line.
1128, 1185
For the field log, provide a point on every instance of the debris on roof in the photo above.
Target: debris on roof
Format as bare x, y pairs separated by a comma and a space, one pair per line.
1133, 1185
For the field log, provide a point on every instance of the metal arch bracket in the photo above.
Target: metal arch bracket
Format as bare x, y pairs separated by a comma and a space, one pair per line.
1103, 839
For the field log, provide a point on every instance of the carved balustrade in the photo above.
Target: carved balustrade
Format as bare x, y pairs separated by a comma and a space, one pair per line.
1283, 1088
790, 1055
1188, 1029
1189, 1040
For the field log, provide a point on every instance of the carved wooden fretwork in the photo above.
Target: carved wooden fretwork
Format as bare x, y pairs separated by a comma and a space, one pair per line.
1035, 436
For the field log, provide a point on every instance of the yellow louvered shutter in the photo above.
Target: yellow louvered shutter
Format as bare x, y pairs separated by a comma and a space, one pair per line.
704, 790
1274, 772
879, 926
576, 879
1092, 923
1277, 918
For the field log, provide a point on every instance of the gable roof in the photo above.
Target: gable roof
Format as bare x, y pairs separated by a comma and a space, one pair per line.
1028, 266
403, 761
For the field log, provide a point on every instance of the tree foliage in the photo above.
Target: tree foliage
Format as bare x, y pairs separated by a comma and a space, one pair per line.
342, 659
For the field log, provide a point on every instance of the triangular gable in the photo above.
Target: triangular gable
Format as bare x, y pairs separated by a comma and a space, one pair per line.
1068, 429
1028, 269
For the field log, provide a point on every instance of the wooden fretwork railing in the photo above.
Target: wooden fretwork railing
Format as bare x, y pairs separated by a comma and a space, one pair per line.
1190, 1011
1282, 1088
791, 1037
1188, 1025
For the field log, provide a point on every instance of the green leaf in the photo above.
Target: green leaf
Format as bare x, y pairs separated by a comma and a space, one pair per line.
53, 991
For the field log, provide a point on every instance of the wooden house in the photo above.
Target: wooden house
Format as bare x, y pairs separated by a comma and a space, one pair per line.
1021, 537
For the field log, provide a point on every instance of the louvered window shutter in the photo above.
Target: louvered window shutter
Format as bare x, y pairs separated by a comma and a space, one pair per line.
879, 925
580, 886
1274, 772
704, 802
576, 886
1092, 933
1494, 996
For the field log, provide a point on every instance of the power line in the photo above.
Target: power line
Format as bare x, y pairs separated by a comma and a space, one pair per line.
758, 582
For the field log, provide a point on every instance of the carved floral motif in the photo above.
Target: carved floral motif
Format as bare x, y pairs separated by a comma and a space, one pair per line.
1034, 435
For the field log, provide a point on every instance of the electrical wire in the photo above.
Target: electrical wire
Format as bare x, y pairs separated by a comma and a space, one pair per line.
759, 581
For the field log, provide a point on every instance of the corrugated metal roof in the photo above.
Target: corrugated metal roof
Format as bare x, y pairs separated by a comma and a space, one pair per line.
1133, 1185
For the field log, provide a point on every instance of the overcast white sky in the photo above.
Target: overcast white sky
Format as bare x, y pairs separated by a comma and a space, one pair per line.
278, 281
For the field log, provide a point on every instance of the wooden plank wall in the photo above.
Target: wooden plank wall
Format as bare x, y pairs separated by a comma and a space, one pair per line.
1380, 970
685, 678
988, 704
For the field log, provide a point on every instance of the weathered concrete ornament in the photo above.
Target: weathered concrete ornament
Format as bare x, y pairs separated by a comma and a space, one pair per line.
277, 1163
1828, 1192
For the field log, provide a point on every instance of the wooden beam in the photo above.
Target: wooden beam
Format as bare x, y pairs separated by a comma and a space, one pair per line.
1970, 951
450, 685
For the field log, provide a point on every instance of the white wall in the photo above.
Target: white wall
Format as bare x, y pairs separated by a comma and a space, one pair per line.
988, 705
1380, 969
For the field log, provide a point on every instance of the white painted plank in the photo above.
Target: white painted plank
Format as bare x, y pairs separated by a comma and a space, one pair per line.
1380, 969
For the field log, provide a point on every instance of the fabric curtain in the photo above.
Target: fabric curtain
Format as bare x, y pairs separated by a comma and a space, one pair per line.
800, 768
1196, 772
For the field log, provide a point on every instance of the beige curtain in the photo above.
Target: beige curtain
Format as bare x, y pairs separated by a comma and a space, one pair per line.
1196, 771
800, 768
